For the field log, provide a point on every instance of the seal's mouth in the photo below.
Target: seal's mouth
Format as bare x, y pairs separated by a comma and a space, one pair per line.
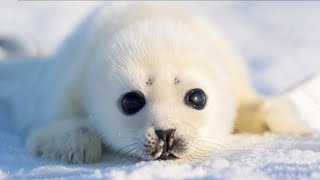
167, 156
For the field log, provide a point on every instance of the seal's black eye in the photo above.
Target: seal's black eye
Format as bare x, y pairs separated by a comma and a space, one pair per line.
196, 98
132, 102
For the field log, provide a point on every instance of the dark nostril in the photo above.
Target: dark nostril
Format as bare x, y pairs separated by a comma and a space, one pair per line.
160, 134
167, 137
170, 132
165, 134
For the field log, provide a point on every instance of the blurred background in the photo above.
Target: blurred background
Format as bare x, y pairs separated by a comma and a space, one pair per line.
280, 41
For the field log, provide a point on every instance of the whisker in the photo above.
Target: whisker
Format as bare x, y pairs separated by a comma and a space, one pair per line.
199, 151
209, 141
119, 150
200, 154
199, 159
192, 158
195, 159
210, 144
137, 156
132, 156
138, 132
129, 137
208, 137
124, 155
211, 137
205, 154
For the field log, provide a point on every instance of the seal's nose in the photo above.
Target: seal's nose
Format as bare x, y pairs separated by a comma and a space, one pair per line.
167, 137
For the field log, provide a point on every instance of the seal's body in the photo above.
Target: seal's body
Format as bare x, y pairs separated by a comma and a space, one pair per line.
155, 82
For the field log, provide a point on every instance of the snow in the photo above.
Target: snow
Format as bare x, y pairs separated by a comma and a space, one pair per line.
280, 42
264, 157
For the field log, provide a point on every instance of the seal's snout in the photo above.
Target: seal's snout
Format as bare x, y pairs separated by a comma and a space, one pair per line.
167, 137
166, 140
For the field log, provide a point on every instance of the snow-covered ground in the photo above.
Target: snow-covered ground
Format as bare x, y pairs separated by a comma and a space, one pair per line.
279, 40
264, 157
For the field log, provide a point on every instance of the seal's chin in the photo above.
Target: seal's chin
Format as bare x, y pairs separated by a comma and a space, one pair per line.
167, 156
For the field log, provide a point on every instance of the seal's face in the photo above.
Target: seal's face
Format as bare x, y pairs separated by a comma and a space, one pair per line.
161, 139
155, 93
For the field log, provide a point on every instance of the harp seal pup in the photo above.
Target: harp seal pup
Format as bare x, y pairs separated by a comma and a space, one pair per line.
146, 81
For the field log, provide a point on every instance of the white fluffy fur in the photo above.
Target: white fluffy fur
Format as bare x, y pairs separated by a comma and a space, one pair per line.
74, 96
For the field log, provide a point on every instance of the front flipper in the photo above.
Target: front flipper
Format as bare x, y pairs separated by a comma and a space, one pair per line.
67, 140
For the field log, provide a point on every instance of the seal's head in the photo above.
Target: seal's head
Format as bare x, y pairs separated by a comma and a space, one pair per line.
158, 90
